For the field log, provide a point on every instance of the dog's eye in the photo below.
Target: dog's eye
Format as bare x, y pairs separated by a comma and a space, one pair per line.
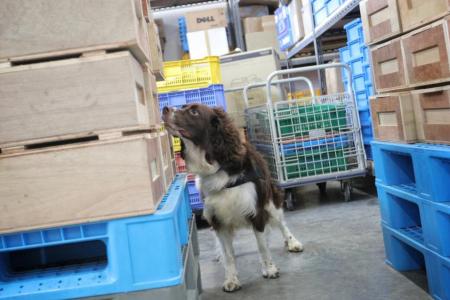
193, 112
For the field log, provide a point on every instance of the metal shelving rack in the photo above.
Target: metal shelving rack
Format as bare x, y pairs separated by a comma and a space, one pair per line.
335, 17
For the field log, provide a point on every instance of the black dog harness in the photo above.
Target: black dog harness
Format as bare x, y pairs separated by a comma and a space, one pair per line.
246, 176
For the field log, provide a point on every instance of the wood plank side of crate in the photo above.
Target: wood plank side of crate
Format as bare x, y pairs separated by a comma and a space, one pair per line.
167, 157
380, 20
393, 117
46, 28
388, 66
416, 13
73, 97
80, 183
432, 114
426, 54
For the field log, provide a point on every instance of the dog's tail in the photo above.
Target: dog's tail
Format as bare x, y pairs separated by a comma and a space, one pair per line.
277, 195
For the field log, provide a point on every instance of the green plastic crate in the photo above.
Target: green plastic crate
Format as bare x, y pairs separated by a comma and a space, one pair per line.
300, 120
314, 162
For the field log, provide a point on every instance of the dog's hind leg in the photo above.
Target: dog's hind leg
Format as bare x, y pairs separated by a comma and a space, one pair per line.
269, 269
292, 244
231, 283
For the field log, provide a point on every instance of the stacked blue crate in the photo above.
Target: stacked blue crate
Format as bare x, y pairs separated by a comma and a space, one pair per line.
182, 30
322, 9
412, 183
356, 55
108, 257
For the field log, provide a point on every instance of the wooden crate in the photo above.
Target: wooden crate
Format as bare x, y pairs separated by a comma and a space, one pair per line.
152, 95
47, 28
156, 57
393, 117
432, 113
426, 54
388, 66
380, 19
72, 98
416, 13
78, 183
167, 157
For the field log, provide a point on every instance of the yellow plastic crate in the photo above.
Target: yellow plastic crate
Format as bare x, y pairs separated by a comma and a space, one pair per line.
190, 74
176, 142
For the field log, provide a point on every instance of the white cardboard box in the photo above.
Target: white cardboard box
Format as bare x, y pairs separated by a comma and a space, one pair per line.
211, 42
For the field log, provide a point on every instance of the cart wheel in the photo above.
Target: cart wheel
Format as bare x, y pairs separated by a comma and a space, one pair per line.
347, 186
322, 187
289, 201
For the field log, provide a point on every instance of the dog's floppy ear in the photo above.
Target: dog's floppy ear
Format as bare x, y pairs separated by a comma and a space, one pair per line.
218, 115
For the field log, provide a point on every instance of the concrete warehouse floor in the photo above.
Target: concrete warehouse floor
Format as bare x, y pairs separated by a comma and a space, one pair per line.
343, 257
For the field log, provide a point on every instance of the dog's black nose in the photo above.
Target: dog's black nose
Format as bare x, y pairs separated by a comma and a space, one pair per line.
165, 110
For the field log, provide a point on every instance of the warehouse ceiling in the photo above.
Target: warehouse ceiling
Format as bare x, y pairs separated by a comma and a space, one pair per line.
168, 3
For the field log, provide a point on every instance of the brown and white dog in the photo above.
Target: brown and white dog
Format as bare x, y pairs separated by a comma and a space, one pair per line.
234, 182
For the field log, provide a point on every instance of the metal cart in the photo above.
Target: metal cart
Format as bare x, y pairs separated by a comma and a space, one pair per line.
308, 140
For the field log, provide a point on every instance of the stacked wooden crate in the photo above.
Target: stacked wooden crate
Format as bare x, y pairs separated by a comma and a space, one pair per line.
80, 135
410, 52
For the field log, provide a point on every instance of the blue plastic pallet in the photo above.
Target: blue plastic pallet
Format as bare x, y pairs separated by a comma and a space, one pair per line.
344, 54
194, 197
182, 30
425, 221
212, 95
116, 256
404, 253
423, 169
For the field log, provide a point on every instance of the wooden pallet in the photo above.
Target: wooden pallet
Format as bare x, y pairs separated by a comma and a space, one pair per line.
79, 183
73, 97
48, 29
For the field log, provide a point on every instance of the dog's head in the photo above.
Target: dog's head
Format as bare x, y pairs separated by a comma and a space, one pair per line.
209, 130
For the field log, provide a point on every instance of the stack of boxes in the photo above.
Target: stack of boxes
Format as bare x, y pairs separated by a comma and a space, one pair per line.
409, 46
87, 176
356, 55
188, 82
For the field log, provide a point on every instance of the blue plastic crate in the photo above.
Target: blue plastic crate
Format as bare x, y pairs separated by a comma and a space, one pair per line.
318, 5
116, 256
357, 66
366, 130
362, 101
194, 197
355, 50
364, 116
421, 169
182, 30
285, 36
404, 253
368, 151
370, 90
367, 73
320, 16
332, 5
344, 54
354, 32
365, 51
212, 95
359, 85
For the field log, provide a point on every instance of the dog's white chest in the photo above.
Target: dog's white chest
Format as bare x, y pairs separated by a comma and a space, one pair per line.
232, 206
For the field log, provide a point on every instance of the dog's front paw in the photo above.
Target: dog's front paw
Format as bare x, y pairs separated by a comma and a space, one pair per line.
231, 285
293, 245
271, 272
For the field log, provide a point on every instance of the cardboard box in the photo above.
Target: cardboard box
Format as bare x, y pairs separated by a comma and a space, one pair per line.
262, 40
51, 100
80, 183
206, 19
47, 28
253, 11
268, 23
393, 117
426, 53
212, 42
239, 70
432, 114
380, 20
333, 78
252, 24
